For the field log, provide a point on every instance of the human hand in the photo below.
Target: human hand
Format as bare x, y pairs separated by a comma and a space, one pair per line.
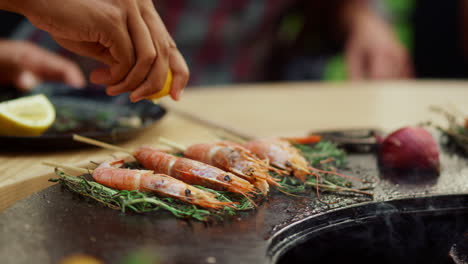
25, 65
126, 35
373, 52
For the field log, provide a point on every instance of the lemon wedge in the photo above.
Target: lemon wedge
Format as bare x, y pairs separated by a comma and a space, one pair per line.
164, 91
80, 259
26, 116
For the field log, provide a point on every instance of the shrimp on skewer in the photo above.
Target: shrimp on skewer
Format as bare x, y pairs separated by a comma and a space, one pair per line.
111, 174
192, 171
186, 170
281, 154
230, 157
286, 157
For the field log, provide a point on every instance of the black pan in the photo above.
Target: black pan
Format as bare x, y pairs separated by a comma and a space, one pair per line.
89, 112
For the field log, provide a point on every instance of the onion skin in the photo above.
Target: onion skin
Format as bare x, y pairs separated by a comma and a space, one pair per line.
411, 149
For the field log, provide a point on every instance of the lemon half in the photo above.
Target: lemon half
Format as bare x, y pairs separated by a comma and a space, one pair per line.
164, 91
26, 116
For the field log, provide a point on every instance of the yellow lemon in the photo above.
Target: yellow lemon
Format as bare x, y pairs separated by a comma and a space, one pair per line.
26, 116
80, 259
165, 90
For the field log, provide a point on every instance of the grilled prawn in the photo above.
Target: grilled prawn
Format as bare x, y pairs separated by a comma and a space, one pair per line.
110, 174
191, 171
281, 154
234, 158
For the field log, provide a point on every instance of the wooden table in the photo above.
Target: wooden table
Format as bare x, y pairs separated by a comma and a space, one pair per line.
259, 110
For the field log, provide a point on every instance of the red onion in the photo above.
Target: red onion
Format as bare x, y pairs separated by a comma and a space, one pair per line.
410, 148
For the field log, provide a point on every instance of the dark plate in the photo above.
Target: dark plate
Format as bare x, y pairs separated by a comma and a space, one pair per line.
89, 112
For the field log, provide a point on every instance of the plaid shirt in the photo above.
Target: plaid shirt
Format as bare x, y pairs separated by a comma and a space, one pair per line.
223, 41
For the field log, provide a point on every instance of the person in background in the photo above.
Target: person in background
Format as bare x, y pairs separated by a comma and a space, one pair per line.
342, 40
372, 50
127, 36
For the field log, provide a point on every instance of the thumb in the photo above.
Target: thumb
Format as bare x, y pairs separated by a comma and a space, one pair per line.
26, 81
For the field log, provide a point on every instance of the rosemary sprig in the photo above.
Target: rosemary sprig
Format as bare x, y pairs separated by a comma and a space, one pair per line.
243, 203
136, 201
325, 156
456, 131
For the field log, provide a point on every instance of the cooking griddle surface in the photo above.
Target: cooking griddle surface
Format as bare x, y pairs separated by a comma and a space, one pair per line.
54, 223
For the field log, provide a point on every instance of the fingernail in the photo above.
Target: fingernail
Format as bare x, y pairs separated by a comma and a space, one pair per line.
134, 98
76, 82
28, 80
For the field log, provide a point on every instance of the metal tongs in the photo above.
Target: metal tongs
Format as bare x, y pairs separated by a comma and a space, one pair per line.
352, 140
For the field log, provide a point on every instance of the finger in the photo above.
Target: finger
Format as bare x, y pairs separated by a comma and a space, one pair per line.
382, 67
51, 67
123, 55
180, 73
163, 44
155, 81
407, 68
25, 81
355, 61
145, 55
74, 76
88, 49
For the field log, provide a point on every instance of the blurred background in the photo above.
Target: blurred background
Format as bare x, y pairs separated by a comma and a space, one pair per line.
236, 41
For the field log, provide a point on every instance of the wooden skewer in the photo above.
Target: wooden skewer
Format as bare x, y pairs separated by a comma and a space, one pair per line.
62, 166
213, 125
172, 144
222, 134
338, 188
101, 144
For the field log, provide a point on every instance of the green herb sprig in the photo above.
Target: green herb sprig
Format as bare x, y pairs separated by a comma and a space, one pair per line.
456, 131
136, 201
325, 156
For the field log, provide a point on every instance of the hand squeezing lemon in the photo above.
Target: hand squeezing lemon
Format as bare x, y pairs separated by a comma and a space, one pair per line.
164, 91
26, 116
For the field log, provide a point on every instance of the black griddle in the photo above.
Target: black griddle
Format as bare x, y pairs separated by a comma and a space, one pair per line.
54, 223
